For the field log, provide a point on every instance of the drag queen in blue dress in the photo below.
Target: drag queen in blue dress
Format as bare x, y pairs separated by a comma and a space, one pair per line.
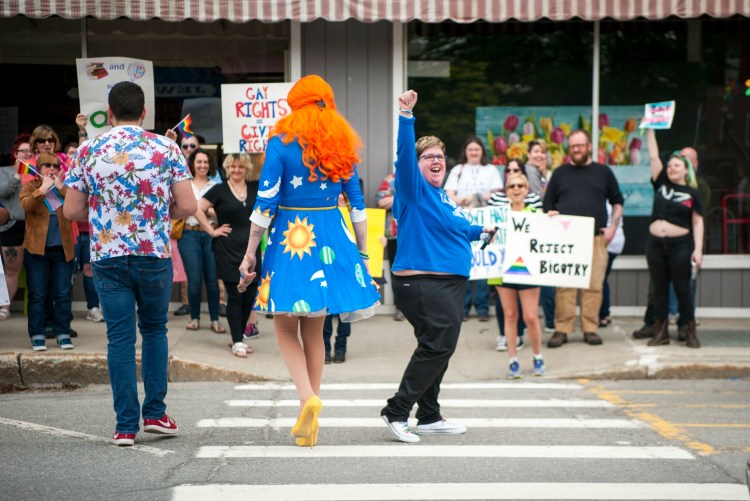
313, 265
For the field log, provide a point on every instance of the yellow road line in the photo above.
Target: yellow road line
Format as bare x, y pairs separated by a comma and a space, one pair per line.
713, 425
666, 429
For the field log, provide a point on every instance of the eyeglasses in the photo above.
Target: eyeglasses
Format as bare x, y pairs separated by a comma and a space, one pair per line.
47, 164
514, 186
191, 146
433, 157
50, 140
576, 146
25, 151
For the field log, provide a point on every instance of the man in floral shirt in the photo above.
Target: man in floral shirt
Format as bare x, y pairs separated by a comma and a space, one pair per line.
129, 182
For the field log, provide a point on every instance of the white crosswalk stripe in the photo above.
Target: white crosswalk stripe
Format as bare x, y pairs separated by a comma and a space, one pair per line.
567, 428
459, 491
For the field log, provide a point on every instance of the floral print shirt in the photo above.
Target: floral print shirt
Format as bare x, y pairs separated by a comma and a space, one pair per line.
127, 174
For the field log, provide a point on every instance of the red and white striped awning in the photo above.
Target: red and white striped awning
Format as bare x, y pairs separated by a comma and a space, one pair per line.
431, 11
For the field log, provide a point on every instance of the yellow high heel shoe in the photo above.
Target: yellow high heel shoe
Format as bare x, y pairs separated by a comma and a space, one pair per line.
308, 417
310, 440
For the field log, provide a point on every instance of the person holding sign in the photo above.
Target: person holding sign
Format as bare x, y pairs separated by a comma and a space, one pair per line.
517, 191
581, 188
313, 265
675, 242
430, 273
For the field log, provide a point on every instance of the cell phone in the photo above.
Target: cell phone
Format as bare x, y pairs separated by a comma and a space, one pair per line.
486, 241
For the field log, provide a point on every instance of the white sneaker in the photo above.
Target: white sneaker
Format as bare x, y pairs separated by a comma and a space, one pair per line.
401, 430
95, 315
519, 343
501, 344
443, 427
549, 330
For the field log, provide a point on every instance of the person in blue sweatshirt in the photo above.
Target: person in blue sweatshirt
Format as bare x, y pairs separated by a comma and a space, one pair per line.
429, 275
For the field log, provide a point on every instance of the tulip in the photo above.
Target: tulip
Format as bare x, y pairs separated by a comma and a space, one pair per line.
630, 124
603, 120
513, 138
567, 159
602, 156
511, 122
635, 143
498, 160
546, 124
635, 156
557, 135
528, 129
617, 156
501, 145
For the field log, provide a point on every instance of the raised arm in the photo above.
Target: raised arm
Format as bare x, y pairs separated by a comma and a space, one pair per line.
653, 153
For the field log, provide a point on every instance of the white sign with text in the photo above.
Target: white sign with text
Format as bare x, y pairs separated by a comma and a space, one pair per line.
544, 250
487, 263
248, 113
96, 76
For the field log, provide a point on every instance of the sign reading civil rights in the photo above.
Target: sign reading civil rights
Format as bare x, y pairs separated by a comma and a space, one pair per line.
96, 76
248, 113
544, 250
487, 263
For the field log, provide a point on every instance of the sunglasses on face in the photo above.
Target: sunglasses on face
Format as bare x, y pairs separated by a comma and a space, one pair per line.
514, 186
46, 140
190, 146
47, 164
511, 171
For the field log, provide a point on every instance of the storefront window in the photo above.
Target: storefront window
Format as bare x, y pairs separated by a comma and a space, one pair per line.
191, 61
471, 78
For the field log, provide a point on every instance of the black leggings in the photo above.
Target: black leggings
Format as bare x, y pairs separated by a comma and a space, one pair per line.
239, 306
669, 261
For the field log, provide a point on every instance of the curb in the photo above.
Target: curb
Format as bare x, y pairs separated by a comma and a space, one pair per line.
51, 370
676, 371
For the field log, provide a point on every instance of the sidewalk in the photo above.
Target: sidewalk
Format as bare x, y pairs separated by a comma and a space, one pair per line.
379, 349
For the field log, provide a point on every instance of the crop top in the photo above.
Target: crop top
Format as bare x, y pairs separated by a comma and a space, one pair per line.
675, 203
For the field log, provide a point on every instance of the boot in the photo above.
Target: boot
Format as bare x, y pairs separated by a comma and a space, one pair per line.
662, 333
691, 336
645, 332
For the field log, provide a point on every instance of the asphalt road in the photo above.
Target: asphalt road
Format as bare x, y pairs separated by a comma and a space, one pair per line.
540, 439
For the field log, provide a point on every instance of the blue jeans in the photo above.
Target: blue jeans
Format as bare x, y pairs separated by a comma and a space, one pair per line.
343, 330
481, 297
200, 266
125, 283
53, 271
82, 258
604, 310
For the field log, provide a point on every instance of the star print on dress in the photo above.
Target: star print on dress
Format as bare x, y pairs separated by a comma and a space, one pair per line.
323, 186
270, 192
296, 181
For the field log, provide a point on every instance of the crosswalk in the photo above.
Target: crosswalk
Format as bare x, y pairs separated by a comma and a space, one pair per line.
526, 440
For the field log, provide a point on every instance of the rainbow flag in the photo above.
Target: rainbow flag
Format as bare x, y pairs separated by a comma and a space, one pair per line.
185, 125
53, 200
24, 168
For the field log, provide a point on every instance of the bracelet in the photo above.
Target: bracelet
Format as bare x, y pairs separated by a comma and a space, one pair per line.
365, 256
408, 112
83, 134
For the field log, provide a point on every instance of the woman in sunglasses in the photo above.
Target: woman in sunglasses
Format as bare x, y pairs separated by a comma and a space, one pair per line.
11, 233
48, 244
675, 241
45, 140
517, 191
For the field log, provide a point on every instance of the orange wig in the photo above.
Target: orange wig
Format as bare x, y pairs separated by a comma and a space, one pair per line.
328, 142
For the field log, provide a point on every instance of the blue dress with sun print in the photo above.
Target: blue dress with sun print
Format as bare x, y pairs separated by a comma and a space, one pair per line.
312, 265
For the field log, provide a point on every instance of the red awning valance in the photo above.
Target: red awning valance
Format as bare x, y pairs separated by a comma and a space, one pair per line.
462, 11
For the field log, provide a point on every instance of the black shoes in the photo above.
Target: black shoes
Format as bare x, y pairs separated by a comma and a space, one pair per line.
339, 358
645, 332
182, 310
328, 358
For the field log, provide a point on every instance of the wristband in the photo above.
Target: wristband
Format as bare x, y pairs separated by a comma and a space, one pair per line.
83, 134
365, 256
408, 112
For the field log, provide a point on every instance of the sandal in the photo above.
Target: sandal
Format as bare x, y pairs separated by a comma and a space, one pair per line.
193, 325
4, 314
604, 322
240, 350
246, 346
217, 327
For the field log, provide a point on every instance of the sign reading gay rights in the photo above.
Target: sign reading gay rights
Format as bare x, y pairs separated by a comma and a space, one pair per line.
544, 250
248, 113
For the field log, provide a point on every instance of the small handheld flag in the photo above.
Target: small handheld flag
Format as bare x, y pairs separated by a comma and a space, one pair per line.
184, 126
24, 168
53, 200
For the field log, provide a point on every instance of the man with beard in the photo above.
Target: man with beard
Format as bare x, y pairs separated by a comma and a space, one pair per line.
581, 188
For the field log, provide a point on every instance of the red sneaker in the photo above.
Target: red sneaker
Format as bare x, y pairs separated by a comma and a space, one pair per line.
123, 438
164, 425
